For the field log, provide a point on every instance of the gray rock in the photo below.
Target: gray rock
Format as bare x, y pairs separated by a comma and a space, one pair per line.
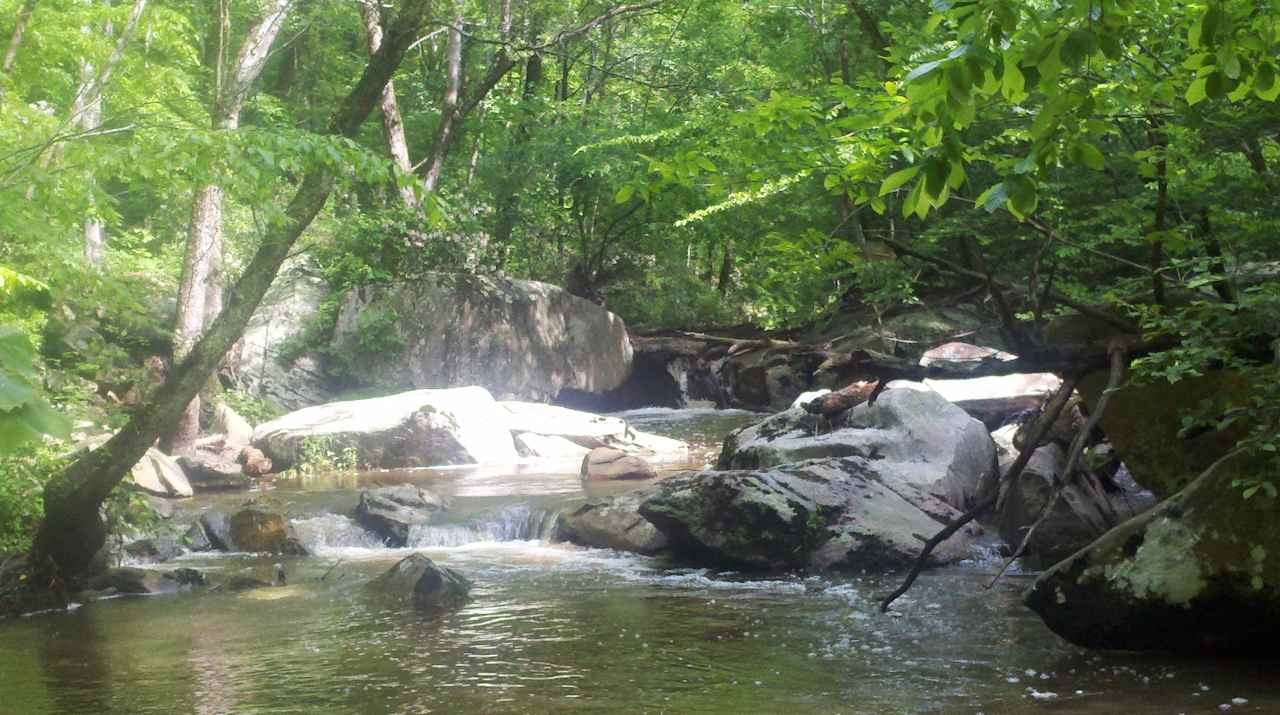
258, 367
612, 523
917, 439
830, 513
155, 549
1197, 574
418, 581
157, 473
1089, 507
238, 431
607, 463
390, 512
210, 472
519, 339
422, 428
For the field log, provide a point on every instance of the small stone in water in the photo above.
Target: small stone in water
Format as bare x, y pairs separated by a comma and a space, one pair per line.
1239, 701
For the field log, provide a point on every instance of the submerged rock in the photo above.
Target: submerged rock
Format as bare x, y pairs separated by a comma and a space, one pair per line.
422, 428
612, 523
1199, 573
132, 580
607, 463
824, 513
390, 512
916, 438
518, 339
417, 580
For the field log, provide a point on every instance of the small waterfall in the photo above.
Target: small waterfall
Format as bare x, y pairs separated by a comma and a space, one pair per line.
517, 522
334, 531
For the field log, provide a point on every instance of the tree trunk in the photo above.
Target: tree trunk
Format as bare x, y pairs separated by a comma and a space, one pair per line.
90, 118
72, 530
392, 124
15, 39
203, 257
449, 109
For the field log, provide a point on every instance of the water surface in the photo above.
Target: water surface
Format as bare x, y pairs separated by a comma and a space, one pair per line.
557, 628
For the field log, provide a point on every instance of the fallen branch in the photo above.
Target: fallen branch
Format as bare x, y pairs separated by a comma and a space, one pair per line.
833, 403
1118, 362
1040, 429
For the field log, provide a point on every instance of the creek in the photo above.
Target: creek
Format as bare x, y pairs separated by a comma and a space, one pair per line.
558, 628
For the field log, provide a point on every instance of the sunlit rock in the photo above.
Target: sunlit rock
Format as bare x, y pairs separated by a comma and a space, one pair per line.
918, 440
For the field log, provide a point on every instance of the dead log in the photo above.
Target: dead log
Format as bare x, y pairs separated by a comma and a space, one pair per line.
833, 403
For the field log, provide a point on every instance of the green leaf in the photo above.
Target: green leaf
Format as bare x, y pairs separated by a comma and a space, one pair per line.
897, 179
1090, 156
923, 70
16, 353
994, 198
1196, 92
1013, 83
624, 194
14, 391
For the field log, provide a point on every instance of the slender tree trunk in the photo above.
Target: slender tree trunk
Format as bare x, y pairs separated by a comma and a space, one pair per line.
200, 292
726, 267
449, 108
392, 124
15, 38
72, 530
1161, 143
90, 118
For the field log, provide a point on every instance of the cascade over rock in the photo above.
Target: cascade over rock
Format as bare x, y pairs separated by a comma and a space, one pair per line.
390, 512
518, 339
914, 436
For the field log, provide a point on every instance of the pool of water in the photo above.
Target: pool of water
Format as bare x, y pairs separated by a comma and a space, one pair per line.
558, 628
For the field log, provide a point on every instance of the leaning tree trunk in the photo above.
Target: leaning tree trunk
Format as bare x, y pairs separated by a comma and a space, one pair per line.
200, 293
72, 530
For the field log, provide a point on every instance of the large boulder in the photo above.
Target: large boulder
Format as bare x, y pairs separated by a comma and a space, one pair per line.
157, 473
827, 513
1090, 505
916, 437
418, 581
422, 428
607, 463
519, 339
1143, 421
391, 512
612, 523
261, 363
1198, 573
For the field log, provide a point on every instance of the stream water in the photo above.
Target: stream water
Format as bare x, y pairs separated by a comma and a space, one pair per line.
557, 628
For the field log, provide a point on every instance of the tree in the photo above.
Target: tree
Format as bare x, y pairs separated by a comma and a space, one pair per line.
72, 530
200, 293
